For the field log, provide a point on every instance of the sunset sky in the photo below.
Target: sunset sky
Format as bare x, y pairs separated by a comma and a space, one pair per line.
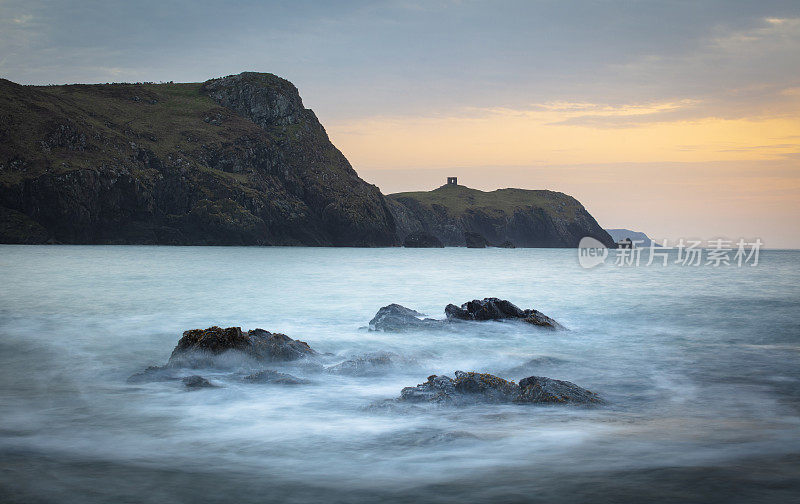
677, 118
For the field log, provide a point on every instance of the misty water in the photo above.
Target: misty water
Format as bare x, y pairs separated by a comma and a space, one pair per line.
698, 366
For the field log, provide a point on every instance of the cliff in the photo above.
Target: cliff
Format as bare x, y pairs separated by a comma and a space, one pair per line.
232, 161
509, 217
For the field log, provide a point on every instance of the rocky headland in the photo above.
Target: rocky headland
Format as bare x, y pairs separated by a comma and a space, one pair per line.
232, 161
459, 216
237, 160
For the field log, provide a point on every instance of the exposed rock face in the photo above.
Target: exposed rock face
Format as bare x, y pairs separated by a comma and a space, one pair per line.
539, 389
200, 347
498, 309
480, 388
233, 161
395, 317
421, 239
475, 240
522, 217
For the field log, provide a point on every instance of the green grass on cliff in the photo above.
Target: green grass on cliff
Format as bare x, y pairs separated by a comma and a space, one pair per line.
164, 118
169, 120
457, 199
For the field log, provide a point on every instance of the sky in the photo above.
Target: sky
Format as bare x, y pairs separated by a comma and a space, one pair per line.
677, 118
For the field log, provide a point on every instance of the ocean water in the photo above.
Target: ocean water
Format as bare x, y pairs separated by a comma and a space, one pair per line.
699, 367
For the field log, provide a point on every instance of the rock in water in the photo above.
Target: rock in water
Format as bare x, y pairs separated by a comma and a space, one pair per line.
421, 239
475, 240
507, 244
467, 387
498, 309
197, 382
199, 347
539, 389
395, 317
483, 388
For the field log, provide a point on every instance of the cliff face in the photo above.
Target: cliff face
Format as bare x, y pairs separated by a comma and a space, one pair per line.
232, 161
522, 217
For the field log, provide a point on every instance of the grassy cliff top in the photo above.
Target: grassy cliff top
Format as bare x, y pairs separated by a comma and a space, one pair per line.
63, 128
457, 199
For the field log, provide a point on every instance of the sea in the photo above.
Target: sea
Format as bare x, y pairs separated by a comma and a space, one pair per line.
698, 365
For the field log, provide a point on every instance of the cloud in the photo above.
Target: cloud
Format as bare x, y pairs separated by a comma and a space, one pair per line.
563, 133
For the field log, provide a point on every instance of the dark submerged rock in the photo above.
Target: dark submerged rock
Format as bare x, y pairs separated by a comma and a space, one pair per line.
483, 388
368, 364
274, 377
197, 382
152, 374
498, 309
199, 347
395, 317
421, 239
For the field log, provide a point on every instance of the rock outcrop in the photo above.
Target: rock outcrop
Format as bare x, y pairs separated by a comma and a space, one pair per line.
233, 161
469, 388
395, 317
233, 350
202, 347
498, 309
539, 389
195, 382
525, 218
